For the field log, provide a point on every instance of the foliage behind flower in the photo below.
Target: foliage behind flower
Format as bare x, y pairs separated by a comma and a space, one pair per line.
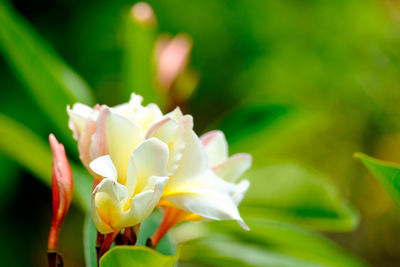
140, 158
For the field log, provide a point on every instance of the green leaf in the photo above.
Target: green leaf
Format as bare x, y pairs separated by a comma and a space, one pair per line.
224, 251
388, 174
135, 256
51, 83
138, 59
89, 241
286, 239
292, 193
148, 227
30, 151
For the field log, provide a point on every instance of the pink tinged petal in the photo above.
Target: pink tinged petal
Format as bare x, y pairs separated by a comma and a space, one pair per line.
239, 192
85, 141
231, 169
170, 132
163, 130
194, 159
216, 147
208, 204
98, 146
107, 200
77, 118
144, 203
104, 167
150, 158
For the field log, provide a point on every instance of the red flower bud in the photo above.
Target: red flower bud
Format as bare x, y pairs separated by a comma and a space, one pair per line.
62, 185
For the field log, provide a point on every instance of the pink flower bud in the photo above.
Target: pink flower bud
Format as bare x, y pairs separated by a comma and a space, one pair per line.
62, 186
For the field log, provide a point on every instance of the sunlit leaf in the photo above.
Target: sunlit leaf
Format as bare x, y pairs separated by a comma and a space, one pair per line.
388, 174
30, 151
293, 193
135, 256
47, 78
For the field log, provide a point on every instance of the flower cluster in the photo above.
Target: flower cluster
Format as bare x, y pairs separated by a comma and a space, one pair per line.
141, 159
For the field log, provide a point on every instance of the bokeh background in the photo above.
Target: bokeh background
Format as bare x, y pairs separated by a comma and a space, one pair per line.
301, 85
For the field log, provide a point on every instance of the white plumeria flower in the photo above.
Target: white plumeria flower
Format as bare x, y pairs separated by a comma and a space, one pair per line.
125, 197
194, 185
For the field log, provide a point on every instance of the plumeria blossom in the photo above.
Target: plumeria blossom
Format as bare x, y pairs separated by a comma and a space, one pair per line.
142, 158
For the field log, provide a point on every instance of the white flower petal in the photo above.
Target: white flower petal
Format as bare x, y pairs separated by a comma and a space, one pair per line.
239, 192
116, 136
77, 118
216, 147
107, 200
163, 130
150, 158
194, 159
144, 203
231, 169
208, 204
104, 167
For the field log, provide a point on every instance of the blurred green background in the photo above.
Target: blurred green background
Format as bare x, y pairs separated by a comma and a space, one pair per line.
301, 85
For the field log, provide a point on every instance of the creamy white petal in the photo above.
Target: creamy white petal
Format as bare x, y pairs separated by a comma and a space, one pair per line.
144, 203
150, 158
216, 147
171, 132
77, 118
146, 116
163, 130
208, 204
231, 169
107, 200
240, 190
194, 159
104, 167
122, 136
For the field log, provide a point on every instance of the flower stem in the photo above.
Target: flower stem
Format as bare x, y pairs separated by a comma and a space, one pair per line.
108, 240
172, 216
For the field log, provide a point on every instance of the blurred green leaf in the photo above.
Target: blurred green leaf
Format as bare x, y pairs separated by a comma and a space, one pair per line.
286, 239
270, 129
148, 227
293, 193
226, 251
388, 174
47, 78
89, 241
138, 58
26, 148
135, 256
